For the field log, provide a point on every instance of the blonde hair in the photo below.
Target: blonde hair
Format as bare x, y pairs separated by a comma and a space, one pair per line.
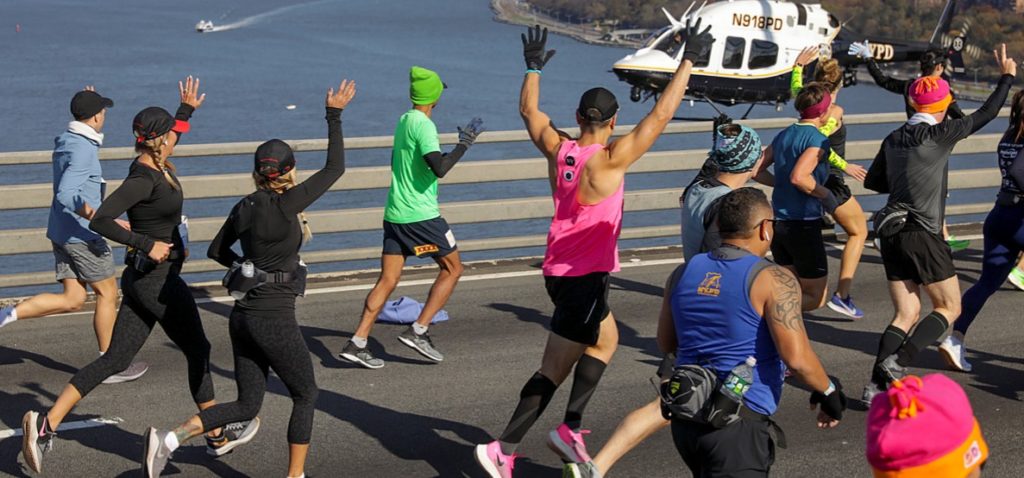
829, 74
154, 147
279, 185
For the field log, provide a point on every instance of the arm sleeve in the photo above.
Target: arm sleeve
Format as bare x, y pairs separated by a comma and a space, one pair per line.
877, 178
297, 199
132, 191
887, 82
957, 129
220, 248
440, 164
72, 181
796, 81
954, 111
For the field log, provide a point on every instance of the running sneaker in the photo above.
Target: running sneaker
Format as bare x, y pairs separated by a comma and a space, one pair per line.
1017, 278
870, 391
953, 350
133, 372
361, 356
845, 306
421, 344
5, 315
37, 440
580, 470
232, 436
155, 453
890, 371
495, 463
957, 245
568, 444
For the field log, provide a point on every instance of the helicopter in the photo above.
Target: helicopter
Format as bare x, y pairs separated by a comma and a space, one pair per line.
756, 44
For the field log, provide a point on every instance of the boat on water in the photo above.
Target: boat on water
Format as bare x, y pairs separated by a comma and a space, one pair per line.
204, 26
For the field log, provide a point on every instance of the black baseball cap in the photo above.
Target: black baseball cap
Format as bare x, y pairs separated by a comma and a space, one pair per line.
154, 122
274, 158
597, 105
86, 104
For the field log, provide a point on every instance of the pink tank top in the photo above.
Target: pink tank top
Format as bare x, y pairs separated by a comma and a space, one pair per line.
582, 238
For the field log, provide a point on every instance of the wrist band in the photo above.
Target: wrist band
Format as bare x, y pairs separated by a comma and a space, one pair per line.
831, 388
532, 70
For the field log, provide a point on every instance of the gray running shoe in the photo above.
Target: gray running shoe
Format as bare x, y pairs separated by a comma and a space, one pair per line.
870, 390
421, 344
133, 372
890, 371
360, 356
155, 454
36, 440
580, 470
232, 436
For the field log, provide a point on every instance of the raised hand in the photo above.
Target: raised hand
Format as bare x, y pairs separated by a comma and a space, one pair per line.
468, 134
533, 48
189, 91
807, 56
1008, 66
861, 50
89, 88
698, 43
339, 99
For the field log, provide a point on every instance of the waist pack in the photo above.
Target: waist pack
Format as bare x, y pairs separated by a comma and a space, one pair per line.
692, 394
889, 220
239, 284
1007, 199
141, 262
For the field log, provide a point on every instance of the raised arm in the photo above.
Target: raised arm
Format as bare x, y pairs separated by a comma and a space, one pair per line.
297, 199
538, 124
796, 79
440, 163
955, 130
886, 82
632, 146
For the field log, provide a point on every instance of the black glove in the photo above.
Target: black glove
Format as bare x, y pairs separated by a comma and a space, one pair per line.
698, 43
832, 404
533, 48
468, 134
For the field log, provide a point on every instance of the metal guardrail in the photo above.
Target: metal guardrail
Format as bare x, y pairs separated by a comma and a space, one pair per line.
38, 196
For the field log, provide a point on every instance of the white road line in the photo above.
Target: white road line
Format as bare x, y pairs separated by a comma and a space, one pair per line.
68, 426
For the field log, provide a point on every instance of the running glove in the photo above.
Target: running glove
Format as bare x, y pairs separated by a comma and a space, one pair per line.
861, 50
533, 48
698, 43
468, 134
833, 404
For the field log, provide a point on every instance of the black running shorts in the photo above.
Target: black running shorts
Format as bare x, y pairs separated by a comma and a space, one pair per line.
430, 238
799, 244
917, 255
745, 449
837, 185
581, 303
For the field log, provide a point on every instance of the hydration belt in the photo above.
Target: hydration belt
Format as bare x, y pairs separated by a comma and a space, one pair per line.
238, 285
141, 261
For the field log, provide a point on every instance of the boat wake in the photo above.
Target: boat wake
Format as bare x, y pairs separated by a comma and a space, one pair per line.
252, 20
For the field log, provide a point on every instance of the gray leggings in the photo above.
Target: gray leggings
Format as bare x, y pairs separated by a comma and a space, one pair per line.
259, 344
160, 296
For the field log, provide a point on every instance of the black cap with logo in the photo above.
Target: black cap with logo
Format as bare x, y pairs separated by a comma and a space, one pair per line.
86, 104
154, 122
597, 105
274, 158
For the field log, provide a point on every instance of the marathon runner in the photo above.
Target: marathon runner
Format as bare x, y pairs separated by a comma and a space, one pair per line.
912, 166
587, 184
413, 225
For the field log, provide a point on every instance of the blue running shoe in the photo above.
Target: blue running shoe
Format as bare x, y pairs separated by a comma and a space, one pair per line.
845, 306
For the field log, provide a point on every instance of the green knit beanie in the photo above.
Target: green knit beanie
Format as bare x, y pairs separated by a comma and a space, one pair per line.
424, 86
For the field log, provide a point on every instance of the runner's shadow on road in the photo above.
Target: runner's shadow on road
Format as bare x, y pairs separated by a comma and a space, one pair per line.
628, 336
9, 356
315, 336
637, 286
819, 330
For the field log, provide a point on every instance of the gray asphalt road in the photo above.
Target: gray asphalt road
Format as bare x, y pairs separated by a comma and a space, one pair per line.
413, 419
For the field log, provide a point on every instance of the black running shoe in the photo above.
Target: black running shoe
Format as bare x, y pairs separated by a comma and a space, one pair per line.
360, 356
421, 344
232, 436
36, 441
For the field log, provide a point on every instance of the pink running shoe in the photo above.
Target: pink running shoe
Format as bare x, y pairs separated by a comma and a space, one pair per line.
568, 444
495, 463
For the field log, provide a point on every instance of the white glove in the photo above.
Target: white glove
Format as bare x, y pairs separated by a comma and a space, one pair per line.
862, 50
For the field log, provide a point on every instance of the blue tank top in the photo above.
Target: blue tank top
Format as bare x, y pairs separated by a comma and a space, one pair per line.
791, 204
718, 328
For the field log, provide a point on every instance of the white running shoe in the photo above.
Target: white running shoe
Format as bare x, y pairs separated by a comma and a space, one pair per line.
1016, 278
953, 350
133, 372
5, 315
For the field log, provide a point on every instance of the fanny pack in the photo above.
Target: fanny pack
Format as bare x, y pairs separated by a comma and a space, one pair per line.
141, 262
238, 284
889, 220
692, 394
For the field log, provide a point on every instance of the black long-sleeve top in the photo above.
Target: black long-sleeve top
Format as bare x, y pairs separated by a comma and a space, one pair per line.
153, 207
902, 87
268, 227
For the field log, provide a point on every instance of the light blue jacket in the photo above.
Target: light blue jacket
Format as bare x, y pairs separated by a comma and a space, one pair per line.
77, 180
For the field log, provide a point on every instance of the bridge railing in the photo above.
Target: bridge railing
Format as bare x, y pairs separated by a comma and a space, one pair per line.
203, 229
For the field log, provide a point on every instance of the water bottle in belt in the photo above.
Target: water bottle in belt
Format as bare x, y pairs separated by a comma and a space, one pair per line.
730, 393
248, 269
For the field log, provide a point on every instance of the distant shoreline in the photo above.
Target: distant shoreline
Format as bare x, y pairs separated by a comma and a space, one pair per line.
517, 12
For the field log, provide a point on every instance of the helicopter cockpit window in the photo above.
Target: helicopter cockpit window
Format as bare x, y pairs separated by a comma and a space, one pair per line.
735, 47
656, 40
763, 54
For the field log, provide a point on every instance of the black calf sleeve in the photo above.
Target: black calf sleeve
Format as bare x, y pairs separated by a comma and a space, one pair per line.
588, 374
891, 341
927, 332
533, 399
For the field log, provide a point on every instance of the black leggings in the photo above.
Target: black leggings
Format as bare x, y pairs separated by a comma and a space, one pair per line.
160, 296
260, 343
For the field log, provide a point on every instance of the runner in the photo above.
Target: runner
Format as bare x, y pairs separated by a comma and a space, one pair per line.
271, 228
723, 308
934, 63
798, 153
849, 214
82, 256
587, 185
153, 290
912, 166
413, 225
1004, 236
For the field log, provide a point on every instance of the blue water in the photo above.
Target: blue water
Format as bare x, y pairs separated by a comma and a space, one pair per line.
290, 53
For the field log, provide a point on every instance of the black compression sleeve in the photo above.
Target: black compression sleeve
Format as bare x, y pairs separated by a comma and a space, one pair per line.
877, 177
297, 199
954, 111
440, 164
993, 104
887, 82
184, 112
132, 191
220, 248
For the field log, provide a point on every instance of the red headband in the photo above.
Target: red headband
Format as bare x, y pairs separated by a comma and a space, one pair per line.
819, 109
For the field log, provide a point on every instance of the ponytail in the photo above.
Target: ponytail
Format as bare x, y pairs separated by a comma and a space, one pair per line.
279, 185
155, 147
